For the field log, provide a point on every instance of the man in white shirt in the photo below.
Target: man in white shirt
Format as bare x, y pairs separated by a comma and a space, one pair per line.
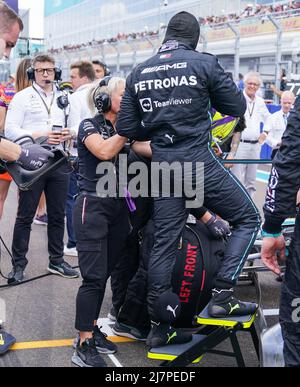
277, 122
82, 77
34, 112
251, 139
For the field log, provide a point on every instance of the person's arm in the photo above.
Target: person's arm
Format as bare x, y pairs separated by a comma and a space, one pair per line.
3, 111
104, 150
9, 151
75, 116
282, 191
142, 148
276, 91
265, 115
224, 94
285, 176
270, 129
15, 118
129, 123
236, 138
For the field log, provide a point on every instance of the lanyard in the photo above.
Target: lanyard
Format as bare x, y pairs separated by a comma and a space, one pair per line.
48, 108
251, 111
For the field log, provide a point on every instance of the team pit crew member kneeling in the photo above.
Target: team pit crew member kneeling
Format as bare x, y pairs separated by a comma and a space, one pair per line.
182, 134
101, 224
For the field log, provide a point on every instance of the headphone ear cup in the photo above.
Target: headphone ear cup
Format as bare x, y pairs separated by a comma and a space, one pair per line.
106, 102
30, 74
58, 74
102, 103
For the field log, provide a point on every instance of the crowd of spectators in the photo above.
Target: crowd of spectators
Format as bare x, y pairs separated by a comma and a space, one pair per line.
250, 11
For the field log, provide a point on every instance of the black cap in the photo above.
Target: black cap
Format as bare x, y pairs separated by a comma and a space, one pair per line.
183, 27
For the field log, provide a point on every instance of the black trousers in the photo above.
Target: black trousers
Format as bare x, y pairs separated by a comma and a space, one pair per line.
101, 228
290, 303
55, 185
225, 196
128, 264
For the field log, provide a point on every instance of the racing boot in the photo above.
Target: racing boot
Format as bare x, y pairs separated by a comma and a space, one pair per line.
163, 334
166, 310
224, 304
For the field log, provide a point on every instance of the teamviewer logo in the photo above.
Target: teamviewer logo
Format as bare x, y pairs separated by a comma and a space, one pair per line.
2, 311
146, 105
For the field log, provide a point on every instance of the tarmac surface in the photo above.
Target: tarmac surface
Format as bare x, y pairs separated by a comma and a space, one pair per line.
40, 314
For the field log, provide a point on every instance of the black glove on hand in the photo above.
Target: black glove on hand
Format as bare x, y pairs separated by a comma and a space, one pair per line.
34, 157
218, 228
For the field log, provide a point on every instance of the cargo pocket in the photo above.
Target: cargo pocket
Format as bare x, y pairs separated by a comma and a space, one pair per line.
90, 224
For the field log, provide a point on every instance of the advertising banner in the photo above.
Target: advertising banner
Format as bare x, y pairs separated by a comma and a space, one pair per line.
254, 28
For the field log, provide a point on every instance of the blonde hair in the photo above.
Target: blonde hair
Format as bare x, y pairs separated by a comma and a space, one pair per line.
113, 85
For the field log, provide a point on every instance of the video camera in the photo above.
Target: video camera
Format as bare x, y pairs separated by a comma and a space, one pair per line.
24, 178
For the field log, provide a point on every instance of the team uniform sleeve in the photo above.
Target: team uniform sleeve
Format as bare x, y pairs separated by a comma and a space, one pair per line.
86, 129
284, 181
129, 123
224, 94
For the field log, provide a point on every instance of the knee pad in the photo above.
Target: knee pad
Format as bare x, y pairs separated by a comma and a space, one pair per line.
167, 308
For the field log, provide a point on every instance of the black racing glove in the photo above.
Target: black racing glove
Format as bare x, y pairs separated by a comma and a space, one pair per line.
34, 157
218, 228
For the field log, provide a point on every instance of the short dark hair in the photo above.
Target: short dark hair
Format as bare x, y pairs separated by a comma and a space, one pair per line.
41, 58
97, 62
85, 69
8, 17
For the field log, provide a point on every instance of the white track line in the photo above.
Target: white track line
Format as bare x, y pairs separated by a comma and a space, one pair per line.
271, 312
115, 361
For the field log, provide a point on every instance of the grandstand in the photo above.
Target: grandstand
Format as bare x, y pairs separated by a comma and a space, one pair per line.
262, 36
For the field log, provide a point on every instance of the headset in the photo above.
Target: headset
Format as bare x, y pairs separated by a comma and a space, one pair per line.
107, 71
31, 74
102, 101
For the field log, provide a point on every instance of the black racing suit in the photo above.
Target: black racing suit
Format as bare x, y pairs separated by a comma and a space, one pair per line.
167, 101
280, 203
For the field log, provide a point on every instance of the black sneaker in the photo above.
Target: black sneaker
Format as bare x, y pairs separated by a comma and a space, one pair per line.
86, 355
163, 334
124, 330
15, 276
63, 269
223, 305
102, 344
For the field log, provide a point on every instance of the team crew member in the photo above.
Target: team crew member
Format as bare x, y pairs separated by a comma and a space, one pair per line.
33, 157
34, 112
168, 98
280, 204
101, 224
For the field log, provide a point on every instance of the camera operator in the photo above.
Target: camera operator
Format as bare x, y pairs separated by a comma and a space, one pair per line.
33, 156
34, 112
